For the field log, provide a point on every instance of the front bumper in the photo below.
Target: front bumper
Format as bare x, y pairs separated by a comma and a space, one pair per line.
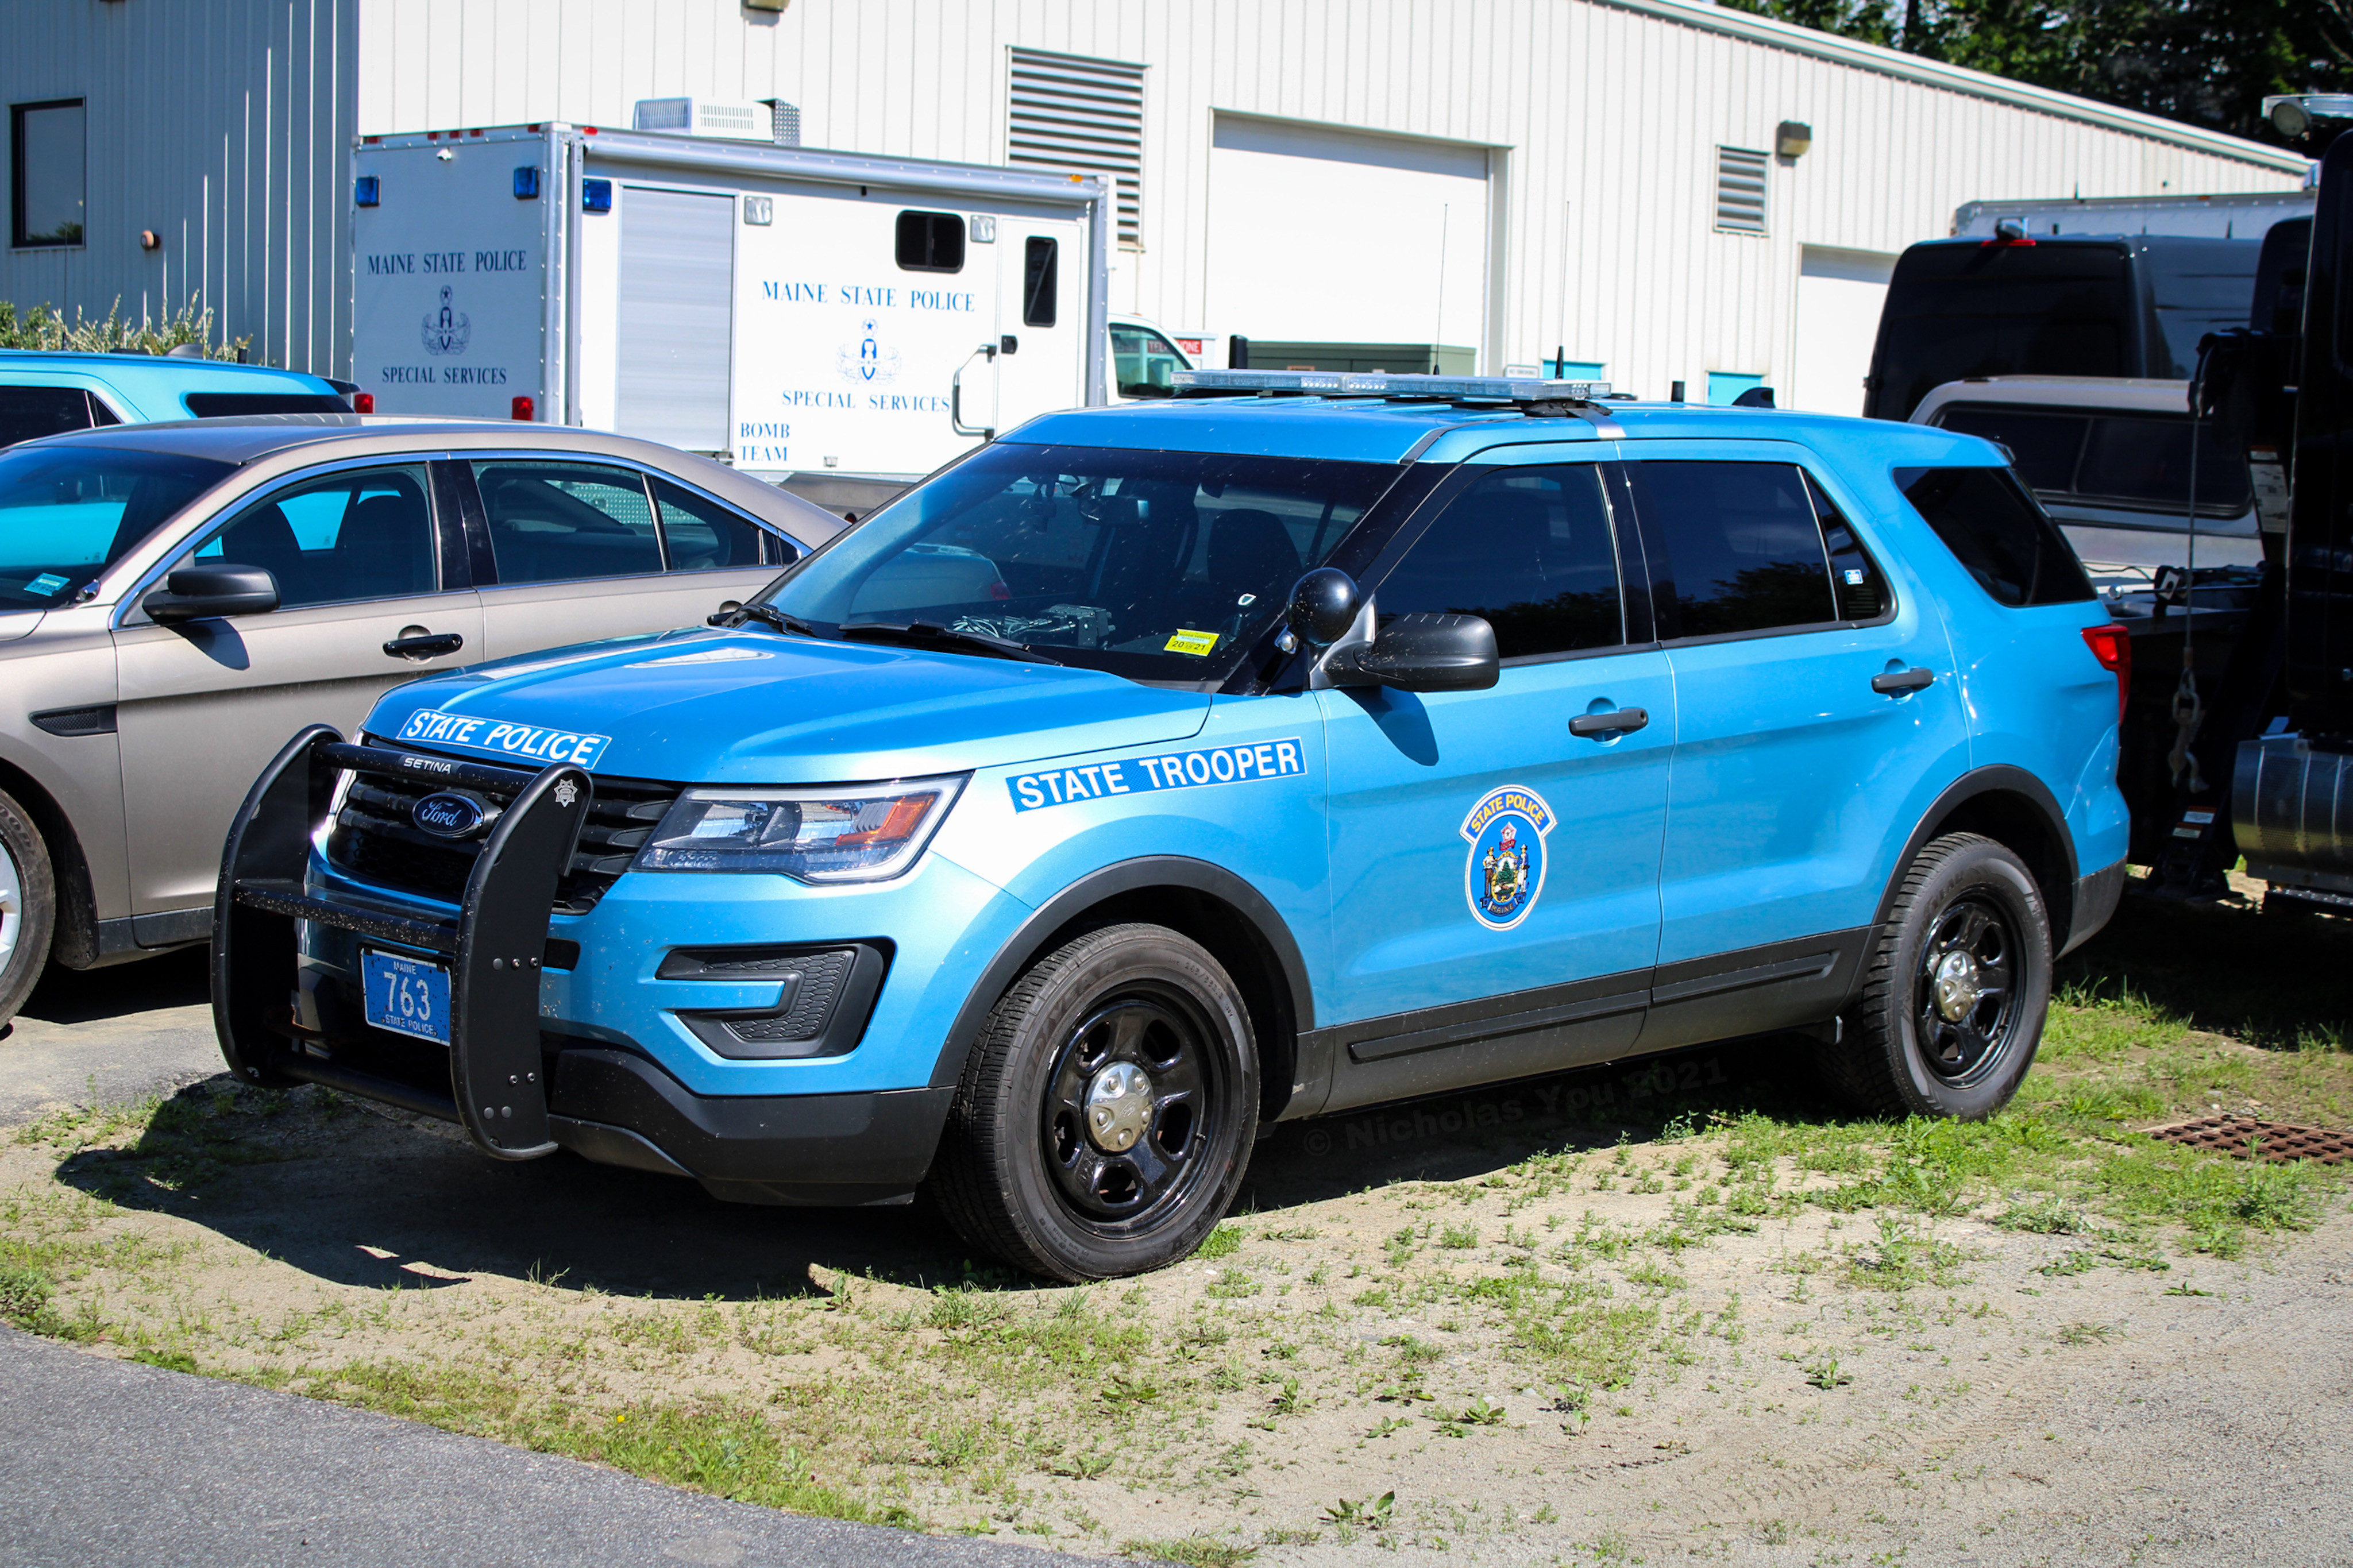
518, 1082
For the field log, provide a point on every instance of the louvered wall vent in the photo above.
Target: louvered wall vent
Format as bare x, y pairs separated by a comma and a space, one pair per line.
1085, 117
1739, 190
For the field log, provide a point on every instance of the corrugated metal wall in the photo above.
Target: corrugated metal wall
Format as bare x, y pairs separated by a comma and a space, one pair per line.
1609, 113
220, 124
226, 122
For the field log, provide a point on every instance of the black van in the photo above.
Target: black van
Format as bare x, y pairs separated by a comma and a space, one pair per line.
2130, 306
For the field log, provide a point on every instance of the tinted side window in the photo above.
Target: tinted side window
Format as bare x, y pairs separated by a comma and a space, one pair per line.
1527, 550
1742, 544
1142, 362
930, 242
703, 536
223, 405
364, 533
27, 413
2148, 460
552, 522
1994, 528
2045, 447
1856, 583
1040, 280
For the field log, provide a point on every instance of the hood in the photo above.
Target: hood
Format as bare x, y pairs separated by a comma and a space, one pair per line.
754, 707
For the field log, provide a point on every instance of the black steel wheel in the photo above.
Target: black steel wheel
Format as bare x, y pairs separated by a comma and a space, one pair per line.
1964, 992
1105, 1118
1955, 990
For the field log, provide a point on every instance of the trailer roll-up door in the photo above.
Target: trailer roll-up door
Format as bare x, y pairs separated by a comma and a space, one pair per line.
677, 316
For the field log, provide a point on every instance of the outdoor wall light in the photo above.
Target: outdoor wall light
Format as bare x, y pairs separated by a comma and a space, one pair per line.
1793, 138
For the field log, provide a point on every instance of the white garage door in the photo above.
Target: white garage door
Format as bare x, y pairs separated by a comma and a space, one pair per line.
1337, 237
1839, 296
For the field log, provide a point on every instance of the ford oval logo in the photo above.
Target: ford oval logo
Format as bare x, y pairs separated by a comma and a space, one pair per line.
448, 816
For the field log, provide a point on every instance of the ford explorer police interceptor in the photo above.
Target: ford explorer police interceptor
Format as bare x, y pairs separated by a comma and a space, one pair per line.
1158, 772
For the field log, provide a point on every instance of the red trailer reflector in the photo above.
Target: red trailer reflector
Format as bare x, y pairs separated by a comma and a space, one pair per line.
523, 408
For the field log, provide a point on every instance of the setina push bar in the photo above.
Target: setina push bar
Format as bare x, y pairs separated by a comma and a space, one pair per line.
497, 1091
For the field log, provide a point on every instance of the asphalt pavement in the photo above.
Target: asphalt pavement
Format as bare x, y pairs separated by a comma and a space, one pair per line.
104, 1461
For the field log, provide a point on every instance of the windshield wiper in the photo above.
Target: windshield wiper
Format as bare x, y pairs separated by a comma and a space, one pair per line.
767, 615
928, 634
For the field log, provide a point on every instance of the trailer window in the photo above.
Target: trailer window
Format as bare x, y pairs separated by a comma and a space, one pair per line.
930, 242
1994, 528
1040, 281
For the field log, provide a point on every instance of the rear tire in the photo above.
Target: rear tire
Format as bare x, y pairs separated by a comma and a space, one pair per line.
1956, 989
1107, 1112
28, 907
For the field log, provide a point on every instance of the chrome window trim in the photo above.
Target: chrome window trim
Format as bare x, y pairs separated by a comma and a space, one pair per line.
644, 471
127, 607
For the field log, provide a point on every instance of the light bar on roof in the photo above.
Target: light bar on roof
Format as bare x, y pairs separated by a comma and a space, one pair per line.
1381, 383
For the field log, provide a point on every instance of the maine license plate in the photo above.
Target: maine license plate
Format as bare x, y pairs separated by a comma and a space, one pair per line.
406, 996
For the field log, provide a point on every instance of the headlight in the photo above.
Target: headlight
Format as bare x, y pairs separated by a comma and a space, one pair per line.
838, 832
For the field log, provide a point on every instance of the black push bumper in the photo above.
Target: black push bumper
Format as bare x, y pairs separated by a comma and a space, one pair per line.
519, 1093
494, 947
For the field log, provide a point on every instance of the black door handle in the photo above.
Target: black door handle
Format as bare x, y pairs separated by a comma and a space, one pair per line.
1616, 720
432, 645
1894, 683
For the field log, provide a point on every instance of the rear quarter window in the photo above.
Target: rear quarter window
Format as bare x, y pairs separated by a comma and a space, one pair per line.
1994, 528
223, 405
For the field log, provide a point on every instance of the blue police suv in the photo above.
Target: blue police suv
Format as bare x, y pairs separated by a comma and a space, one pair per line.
1159, 773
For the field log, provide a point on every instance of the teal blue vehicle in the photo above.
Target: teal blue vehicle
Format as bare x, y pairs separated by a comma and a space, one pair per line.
1160, 772
51, 393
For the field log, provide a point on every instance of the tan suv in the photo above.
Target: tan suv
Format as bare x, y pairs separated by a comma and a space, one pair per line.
176, 599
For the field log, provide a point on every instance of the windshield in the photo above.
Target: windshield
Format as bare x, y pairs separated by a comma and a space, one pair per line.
66, 513
1155, 565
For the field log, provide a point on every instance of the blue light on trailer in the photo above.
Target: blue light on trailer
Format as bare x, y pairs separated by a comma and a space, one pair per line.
526, 183
365, 191
596, 196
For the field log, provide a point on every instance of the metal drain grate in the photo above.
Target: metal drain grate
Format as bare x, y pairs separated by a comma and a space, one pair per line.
2280, 1141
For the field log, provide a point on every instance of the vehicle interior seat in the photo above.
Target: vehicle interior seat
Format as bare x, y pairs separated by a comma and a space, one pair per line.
1249, 552
385, 549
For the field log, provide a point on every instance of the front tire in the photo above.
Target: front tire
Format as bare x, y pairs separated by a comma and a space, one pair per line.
29, 906
1956, 991
1106, 1114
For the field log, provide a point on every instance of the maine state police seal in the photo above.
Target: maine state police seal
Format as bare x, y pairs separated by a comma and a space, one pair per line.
1504, 871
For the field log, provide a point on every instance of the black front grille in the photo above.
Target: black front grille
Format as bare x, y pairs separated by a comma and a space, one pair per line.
375, 840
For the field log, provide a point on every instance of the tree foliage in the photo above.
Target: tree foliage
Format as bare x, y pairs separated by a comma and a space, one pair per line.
2206, 62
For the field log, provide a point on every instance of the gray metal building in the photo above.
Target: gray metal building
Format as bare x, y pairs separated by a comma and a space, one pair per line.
1650, 190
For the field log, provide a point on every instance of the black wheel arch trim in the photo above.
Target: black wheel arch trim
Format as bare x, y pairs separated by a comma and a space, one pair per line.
2057, 882
1295, 1002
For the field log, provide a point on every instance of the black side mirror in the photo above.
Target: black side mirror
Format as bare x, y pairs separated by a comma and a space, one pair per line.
1324, 605
1424, 652
201, 593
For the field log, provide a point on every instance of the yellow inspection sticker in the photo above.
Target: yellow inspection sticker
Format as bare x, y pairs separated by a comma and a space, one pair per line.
1195, 643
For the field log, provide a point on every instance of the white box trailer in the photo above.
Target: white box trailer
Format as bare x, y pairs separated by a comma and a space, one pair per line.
2241, 216
794, 312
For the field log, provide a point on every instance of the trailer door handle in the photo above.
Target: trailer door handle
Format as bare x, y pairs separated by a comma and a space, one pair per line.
956, 396
1617, 721
1896, 682
415, 642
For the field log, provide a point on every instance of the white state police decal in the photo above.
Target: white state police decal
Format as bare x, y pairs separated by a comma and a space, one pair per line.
1504, 871
526, 742
1142, 775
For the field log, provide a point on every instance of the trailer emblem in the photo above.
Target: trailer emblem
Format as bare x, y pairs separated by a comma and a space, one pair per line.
448, 815
867, 360
1504, 871
448, 329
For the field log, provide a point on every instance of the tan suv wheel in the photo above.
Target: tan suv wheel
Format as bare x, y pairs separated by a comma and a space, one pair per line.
29, 906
